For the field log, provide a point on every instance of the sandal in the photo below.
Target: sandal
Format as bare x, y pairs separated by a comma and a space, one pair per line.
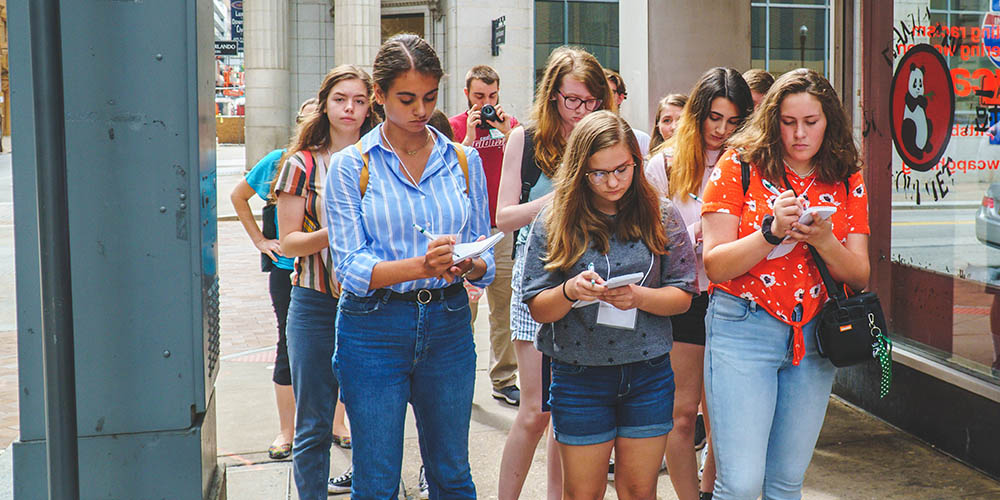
279, 452
342, 441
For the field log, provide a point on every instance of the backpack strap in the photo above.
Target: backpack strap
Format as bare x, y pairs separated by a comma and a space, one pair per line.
530, 173
364, 168
463, 161
745, 175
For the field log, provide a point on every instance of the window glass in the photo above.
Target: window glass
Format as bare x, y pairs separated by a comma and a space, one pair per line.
776, 36
402, 23
592, 25
945, 221
798, 39
758, 34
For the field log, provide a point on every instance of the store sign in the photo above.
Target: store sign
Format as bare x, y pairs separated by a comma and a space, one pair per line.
922, 105
236, 23
498, 34
226, 47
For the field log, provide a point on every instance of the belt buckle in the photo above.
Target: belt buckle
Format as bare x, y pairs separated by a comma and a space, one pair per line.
424, 296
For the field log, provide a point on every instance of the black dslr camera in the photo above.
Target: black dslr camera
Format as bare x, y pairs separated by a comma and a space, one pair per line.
488, 113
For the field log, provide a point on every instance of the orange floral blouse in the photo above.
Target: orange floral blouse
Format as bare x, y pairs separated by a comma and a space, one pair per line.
781, 284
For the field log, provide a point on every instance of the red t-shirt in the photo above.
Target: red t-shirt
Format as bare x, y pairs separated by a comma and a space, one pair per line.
780, 284
490, 151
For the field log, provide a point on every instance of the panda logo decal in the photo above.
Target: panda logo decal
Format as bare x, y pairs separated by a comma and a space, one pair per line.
923, 107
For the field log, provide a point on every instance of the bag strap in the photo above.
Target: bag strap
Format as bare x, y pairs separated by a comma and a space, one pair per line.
463, 161
530, 173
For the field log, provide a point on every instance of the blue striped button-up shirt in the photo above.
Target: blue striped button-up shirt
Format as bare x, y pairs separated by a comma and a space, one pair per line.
379, 226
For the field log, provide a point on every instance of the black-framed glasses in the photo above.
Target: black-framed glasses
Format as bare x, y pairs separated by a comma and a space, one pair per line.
598, 177
574, 103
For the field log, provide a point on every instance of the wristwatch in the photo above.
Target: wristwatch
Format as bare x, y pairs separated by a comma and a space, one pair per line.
765, 229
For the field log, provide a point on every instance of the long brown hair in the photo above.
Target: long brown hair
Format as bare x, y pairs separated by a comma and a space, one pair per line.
573, 223
575, 63
657, 139
760, 140
687, 168
313, 132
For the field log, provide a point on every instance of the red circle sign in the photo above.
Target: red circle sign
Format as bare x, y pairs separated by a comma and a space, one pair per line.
922, 105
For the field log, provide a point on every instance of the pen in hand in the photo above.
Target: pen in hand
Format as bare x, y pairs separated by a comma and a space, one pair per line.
771, 187
424, 232
590, 267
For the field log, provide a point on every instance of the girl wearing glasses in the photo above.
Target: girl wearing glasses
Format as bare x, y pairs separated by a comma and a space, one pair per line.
612, 384
719, 104
572, 87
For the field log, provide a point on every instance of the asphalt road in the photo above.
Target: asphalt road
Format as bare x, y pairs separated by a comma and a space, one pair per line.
944, 240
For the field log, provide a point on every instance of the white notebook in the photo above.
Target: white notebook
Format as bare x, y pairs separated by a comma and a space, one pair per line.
819, 213
474, 249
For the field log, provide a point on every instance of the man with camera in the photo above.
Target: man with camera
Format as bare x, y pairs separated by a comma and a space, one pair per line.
485, 127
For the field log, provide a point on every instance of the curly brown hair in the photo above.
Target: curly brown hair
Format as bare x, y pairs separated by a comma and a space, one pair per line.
759, 141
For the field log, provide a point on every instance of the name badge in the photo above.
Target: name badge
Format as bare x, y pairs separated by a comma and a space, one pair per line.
609, 315
496, 134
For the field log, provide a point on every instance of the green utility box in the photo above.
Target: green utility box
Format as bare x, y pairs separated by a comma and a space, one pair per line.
140, 149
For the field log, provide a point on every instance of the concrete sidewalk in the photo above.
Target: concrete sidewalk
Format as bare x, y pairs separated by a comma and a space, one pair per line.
857, 457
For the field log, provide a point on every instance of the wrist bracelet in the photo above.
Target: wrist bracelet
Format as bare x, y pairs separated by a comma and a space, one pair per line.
566, 294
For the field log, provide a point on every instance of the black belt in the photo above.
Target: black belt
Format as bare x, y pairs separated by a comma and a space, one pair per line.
422, 296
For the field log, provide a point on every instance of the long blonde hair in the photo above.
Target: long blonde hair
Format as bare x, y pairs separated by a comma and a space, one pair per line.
575, 63
688, 142
760, 141
572, 221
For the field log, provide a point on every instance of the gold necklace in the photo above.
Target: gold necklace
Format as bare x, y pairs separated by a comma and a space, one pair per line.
406, 170
427, 138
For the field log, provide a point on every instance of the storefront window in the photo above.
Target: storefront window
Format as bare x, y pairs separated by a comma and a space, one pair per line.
592, 25
945, 210
789, 34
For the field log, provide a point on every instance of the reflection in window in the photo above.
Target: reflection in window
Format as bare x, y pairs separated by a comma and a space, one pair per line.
789, 34
945, 236
592, 25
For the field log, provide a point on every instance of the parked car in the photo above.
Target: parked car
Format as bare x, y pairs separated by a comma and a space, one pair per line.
988, 217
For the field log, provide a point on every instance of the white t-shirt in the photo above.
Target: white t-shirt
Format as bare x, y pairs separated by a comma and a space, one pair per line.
690, 210
643, 139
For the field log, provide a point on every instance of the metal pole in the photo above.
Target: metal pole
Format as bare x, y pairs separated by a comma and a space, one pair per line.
54, 258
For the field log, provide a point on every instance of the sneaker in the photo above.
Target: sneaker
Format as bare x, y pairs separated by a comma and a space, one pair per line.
611, 469
341, 484
510, 395
700, 437
424, 492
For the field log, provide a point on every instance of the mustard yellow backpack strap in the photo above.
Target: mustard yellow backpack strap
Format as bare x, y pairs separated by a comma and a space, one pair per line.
462, 162
364, 168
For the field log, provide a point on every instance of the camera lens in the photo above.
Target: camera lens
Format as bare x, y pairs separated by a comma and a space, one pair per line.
488, 114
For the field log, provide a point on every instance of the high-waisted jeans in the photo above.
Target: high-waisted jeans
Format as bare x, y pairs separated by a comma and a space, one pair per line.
391, 352
766, 413
311, 334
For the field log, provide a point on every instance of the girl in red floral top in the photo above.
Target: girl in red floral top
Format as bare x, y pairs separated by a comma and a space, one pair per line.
767, 387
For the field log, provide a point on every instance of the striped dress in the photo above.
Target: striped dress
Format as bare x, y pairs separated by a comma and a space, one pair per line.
304, 174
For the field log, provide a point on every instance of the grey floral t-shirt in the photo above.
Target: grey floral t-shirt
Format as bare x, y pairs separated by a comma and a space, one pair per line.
577, 338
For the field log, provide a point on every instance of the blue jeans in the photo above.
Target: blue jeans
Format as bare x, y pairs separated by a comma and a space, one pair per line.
595, 404
390, 352
311, 339
766, 413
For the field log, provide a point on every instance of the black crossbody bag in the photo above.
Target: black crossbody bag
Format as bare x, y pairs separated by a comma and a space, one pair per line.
851, 329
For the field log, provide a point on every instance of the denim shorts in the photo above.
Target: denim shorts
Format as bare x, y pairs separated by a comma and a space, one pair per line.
595, 404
